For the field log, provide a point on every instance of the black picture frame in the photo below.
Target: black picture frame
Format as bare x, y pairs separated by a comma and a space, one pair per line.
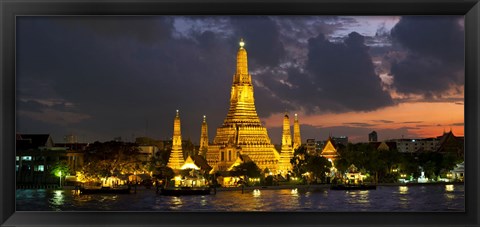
9, 9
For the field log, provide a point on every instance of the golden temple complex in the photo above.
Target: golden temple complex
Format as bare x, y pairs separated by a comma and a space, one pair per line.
242, 133
241, 137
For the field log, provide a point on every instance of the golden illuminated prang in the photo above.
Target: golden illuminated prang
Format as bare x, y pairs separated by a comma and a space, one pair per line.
242, 132
204, 138
286, 154
176, 157
297, 139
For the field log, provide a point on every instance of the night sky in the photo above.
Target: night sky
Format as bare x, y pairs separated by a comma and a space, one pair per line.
105, 77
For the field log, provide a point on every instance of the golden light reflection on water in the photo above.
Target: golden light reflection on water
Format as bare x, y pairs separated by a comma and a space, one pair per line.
58, 198
450, 196
203, 201
449, 188
294, 192
176, 202
403, 199
256, 193
359, 197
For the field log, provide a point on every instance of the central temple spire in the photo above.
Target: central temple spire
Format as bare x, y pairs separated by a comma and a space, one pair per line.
242, 133
241, 75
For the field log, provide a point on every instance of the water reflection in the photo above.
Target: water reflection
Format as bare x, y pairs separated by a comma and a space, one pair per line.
176, 202
403, 199
359, 199
395, 198
294, 192
203, 201
449, 188
58, 198
256, 193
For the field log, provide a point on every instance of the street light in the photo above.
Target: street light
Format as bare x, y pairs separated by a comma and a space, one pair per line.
60, 173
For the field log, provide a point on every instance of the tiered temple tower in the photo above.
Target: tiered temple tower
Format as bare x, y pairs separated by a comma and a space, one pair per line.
297, 139
242, 132
204, 138
286, 155
176, 159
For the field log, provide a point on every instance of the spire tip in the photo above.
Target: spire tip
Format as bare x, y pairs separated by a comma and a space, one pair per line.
242, 43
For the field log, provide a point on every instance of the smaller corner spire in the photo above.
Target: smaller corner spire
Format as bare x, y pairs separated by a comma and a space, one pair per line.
204, 118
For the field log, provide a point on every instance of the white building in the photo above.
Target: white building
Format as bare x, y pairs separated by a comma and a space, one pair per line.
416, 145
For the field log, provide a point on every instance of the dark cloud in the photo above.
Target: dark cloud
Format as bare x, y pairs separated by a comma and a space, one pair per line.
384, 121
339, 77
267, 102
262, 39
29, 105
344, 72
435, 59
103, 77
358, 124
142, 28
412, 122
127, 88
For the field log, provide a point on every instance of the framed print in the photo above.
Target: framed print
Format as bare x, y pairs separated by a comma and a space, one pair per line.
238, 113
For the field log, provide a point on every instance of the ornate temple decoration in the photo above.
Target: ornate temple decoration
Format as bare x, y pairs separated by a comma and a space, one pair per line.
176, 159
204, 138
297, 139
329, 151
189, 164
242, 133
286, 153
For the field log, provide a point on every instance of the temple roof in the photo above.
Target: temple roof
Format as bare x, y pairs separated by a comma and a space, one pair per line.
329, 149
33, 141
201, 162
189, 164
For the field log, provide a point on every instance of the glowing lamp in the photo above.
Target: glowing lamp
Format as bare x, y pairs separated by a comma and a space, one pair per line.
242, 43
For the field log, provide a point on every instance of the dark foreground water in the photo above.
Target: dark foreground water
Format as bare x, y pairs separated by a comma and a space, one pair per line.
385, 198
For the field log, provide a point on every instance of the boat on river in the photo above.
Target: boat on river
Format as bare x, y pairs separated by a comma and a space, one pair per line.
352, 187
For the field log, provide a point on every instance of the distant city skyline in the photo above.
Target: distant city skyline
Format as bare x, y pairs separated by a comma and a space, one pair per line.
105, 77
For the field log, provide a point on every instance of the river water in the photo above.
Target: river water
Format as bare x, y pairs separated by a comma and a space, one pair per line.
385, 198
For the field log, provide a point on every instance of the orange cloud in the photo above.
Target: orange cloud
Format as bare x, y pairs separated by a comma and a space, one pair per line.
424, 119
